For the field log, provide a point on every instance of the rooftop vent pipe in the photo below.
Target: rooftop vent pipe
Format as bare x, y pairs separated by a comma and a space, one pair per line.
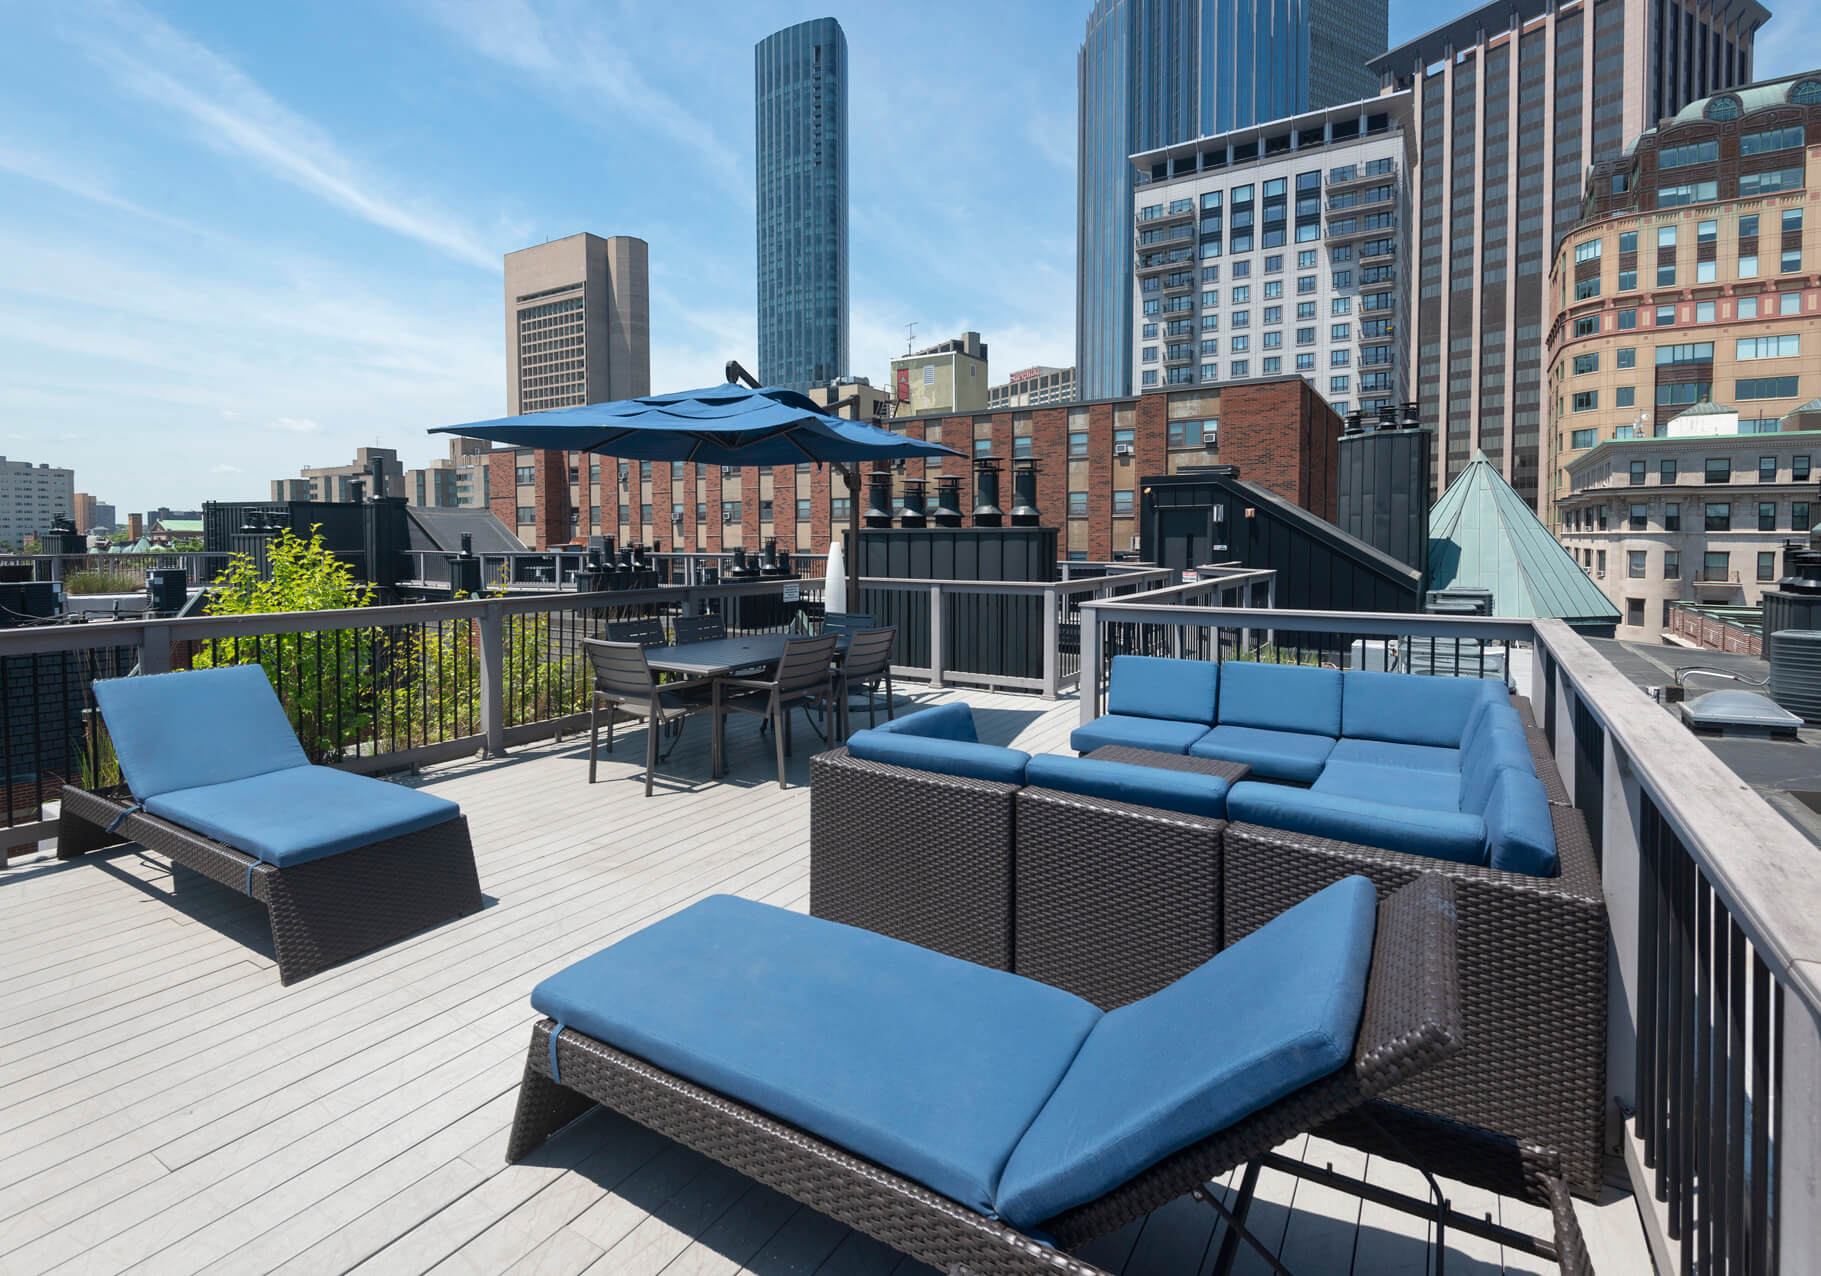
913, 513
986, 493
1024, 493
948, 502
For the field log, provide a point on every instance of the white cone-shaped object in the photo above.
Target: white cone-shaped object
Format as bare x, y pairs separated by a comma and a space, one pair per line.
834, 580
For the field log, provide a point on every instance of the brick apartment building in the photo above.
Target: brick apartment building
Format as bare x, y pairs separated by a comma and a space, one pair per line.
1091, 459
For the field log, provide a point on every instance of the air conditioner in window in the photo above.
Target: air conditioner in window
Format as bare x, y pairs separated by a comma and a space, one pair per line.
727, 518
1122, 449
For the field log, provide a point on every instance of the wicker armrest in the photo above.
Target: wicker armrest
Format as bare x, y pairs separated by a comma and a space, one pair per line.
919, 856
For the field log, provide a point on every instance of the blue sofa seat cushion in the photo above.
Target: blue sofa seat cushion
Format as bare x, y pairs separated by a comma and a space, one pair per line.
1276, 1011
1157, 787
944, 722
303, 813
1157, 734
1432, 758
1280, 697
941, 755
1519, 829
1492, 750
1401, 786
208, 726
1276, 755
930, 1066
1412, 708
1442, 835
1159, 687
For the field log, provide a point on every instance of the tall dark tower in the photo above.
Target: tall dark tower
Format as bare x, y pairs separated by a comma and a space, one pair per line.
800, 112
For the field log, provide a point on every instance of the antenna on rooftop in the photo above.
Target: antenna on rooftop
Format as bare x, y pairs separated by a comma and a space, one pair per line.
910, 335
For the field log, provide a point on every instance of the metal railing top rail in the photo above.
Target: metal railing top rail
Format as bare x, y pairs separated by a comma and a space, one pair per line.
1359, 624
116, 633
1762, 867
1085, 586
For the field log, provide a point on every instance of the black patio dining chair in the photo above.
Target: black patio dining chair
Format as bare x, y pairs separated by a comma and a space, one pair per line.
699, 628
846, 622
868, 663
623, 680
646, 631
805, 679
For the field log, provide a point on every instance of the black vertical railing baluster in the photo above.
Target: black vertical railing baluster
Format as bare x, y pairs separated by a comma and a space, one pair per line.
1733, 1210
1676, 1110
37, 716
1700, 1245
1644, 1081
1773, 1168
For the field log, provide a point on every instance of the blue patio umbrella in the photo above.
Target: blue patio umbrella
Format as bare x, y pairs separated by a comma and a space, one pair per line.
728, 424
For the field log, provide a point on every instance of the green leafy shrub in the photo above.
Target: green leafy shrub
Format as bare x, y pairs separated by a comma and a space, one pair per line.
93, 581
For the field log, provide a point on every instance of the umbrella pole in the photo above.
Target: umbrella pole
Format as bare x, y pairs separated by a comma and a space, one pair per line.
851, 473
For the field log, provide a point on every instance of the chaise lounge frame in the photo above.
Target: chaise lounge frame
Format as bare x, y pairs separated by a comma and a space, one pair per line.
1411, 1020
322, 912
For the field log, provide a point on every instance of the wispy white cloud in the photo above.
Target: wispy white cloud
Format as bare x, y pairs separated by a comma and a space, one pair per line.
579, 55
294, 425
228, 110
224, 468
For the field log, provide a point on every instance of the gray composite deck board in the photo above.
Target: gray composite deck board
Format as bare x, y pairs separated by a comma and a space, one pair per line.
365, 1124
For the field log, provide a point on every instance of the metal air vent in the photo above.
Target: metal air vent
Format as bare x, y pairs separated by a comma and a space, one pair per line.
1795, 671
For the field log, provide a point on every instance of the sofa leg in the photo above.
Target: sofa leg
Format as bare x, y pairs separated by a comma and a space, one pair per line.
77, 836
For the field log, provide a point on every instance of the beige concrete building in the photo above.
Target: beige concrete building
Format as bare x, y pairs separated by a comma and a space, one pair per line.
1033, 387
30, 497
456, 481
335, 482
950, 377
1688, 516
578, 322
1694, 275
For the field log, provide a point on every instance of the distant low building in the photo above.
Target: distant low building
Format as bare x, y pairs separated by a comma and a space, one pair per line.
93, 515
335, 482
30, 497
948, 377
1032, 387
169, 531
457, 481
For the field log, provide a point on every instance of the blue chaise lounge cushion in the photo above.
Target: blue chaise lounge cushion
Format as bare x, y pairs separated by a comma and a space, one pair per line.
302, 813
1160, 735
1411, 709
1280, 697
1519, 826
183, 730
930, 1066
1159, 687
1157, 787
1276, 1011
1442, 835
1276, 755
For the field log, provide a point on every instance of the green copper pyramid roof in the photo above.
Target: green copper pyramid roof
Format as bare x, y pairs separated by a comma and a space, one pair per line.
1483, 533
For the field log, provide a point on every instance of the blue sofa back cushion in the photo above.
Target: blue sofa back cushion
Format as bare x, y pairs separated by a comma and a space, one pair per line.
302, 813
944, 722
1518, 826
1158, 687
1280, 697
1442, 835
940, 755
208, 726
1493, 749
1166, 790
1276, 1011
931, 1066
1411, 708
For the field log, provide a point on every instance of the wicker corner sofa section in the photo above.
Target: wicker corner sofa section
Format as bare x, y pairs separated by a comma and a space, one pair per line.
1108, 900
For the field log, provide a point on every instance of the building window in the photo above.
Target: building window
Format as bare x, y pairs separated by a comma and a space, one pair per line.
1628, 318
1626, 357
1078, 504
1579, 439
1634, 611
1640, 517
1767, 469
1078, 442
1587, 326
1599, 559
1635, 564
1672, 564
840, 509
1122, 501
1719, 516
1585, 363
1716, 564
1798, 469
803, 510
1666, 471
1782, 347
1586, 400
526, 515
1767, 564
1184, 434
1798, 516
1765, 388
525, 474
1625, 396
1719, 469
1672, 516
1767, 516
1637, 472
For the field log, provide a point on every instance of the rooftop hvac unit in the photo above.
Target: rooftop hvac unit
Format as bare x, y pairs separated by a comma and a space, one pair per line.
1795, 671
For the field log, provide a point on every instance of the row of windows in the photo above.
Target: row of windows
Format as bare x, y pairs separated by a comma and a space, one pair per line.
1715, 516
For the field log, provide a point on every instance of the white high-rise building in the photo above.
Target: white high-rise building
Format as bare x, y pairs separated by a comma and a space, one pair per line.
30, 497
1277, 249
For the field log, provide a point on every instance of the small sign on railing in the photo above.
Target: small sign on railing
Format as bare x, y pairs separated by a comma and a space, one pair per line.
790, 593
1190, 576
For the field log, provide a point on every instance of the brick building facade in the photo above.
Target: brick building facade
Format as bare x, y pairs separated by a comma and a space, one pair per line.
1090, 456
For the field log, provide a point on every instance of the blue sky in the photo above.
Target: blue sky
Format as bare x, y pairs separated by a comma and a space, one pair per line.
236, 238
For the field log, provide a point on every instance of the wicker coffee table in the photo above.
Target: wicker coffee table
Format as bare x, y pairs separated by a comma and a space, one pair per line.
1231, 772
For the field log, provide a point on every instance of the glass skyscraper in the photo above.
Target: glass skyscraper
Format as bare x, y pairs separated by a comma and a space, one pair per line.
1157, 72
800, 111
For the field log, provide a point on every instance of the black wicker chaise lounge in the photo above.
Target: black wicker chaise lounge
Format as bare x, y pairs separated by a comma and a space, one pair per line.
343, 863
970, 1118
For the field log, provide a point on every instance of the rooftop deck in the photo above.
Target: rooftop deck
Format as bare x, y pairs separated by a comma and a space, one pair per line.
166, 1106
